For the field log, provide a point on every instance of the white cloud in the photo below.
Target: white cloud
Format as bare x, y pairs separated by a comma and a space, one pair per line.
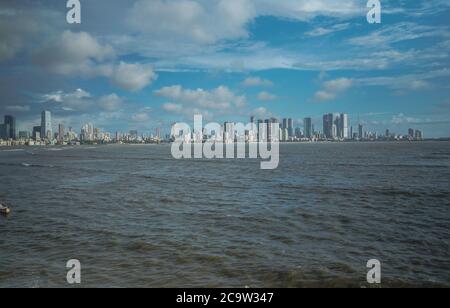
132, 77
73, 53
266, 96
18, 108
80, 54
262, 113
221, 98
173, 108
403, 31
141, 117
321, 31
110, 102
80, 100
332, 88
256, 82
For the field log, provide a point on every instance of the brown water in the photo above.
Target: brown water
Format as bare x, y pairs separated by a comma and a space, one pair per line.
134, 216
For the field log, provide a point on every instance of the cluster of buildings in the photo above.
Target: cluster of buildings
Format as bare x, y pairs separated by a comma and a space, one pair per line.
44, 134
336, 127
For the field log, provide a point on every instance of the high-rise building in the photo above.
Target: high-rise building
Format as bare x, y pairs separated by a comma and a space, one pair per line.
328, 125
290, 128
3, 131
284, 123
46, 125
360, 131
36, 133
60, 132
10, 123
307, 122
343, 131
418, 135
411, 133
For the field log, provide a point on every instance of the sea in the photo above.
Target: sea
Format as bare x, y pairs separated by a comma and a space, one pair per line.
135, 217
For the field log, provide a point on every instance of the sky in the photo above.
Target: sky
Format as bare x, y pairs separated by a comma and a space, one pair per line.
143, 64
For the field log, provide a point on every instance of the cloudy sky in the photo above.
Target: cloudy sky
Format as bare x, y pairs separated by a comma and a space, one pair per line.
142, 64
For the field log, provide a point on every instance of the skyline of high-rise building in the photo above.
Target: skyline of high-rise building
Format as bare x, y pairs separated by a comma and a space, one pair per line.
46, 125
10, 127
308, 131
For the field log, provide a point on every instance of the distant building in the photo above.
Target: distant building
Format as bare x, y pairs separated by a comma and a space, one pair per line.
3, 131
46, 125
24, 135
60, 132
360, 131
418, 135
343, 126
411, 133
10, 123
328, 125
308, 128
36, 133
290, 128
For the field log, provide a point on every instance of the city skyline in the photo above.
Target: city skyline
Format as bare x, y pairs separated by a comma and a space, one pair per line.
336, 126
294, 60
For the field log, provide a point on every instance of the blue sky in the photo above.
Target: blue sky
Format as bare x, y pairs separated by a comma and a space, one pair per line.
143, 64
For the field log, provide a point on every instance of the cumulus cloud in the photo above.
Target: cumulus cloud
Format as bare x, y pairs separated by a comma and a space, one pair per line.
262, 113
80, 54
221, 98
73, 53
256, 82
266, 96
132, 77
330, 89
81, 100
140, 117
173, 108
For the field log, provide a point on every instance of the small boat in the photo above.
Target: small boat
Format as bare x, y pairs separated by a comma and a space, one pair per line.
4, 209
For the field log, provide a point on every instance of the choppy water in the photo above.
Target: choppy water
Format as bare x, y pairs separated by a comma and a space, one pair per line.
134, 216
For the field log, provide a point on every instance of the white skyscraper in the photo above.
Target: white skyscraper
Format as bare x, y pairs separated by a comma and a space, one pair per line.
46, 125
344, 126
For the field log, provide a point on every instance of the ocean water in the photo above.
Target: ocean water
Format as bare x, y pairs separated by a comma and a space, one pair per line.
135, 217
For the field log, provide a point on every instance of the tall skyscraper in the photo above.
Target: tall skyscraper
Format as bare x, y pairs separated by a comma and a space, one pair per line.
290, 128
46, 125
60, 132
328, 123
10, 123
3, 131
344, 126
284, 124
360, 131
307, 122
